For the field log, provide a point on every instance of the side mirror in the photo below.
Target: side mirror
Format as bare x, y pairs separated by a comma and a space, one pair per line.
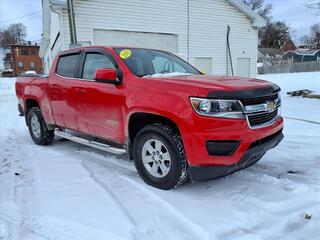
107, 75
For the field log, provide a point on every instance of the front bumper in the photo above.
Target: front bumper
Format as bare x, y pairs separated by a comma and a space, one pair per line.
254, 153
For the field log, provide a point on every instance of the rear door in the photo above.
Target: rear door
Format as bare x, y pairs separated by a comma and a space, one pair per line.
99, 104
62, 91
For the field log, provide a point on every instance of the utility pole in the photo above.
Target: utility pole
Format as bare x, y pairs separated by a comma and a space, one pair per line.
72, 24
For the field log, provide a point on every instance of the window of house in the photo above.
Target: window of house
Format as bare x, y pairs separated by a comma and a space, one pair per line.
33, 52
32, 66
67, 65
25, 52
20, 64
93, 62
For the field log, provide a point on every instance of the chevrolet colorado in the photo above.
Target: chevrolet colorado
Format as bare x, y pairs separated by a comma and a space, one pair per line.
176, 123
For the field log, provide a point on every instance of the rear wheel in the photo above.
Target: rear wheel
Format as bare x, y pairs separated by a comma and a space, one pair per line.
38, 128
159, 156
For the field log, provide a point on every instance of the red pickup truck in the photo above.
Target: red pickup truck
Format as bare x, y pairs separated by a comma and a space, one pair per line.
176, 123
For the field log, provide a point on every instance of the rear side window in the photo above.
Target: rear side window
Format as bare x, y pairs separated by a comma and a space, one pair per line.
67, 65
93, 62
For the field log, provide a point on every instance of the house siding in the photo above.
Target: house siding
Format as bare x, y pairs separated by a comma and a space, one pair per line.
207, 30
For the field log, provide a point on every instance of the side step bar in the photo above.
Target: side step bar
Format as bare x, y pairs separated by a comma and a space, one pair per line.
90, 143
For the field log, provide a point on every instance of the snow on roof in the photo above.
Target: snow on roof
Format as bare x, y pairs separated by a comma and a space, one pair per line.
272, 52
306, 52
257, 20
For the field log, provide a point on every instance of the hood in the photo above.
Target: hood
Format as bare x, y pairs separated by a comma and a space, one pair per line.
220, 84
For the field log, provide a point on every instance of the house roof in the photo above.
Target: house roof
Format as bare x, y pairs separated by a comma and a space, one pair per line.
304, 52
257, 20
24, 46
307, 52
272, 52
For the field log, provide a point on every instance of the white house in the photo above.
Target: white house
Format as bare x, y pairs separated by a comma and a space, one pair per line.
196, 30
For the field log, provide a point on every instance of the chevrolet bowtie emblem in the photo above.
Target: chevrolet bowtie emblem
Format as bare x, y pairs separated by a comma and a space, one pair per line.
271, 106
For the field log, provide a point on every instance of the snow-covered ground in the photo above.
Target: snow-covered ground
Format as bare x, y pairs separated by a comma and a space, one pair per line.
69, 191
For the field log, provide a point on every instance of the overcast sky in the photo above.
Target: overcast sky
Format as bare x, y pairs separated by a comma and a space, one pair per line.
12, 11
293, 12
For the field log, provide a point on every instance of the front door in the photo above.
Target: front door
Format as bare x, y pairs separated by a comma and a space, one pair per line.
100, 104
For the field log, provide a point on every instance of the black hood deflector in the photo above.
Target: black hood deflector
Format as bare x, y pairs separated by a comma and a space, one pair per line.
247, 93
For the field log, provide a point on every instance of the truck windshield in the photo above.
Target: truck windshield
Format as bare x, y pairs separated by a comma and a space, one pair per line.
154, 63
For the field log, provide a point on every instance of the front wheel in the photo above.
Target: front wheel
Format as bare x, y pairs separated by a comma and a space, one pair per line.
159, 156
38, 128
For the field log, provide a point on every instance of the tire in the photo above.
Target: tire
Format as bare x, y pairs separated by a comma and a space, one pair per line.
171, 158
38, 128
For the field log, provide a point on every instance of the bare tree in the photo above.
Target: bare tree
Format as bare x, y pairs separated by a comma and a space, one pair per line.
305, 41
315, 5
13, 34
6, 38
315, 36
275, 35
259, 7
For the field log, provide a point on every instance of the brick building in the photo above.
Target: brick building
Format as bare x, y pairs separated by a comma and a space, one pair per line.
25, 58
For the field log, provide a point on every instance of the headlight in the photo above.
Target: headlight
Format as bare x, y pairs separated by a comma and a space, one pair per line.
217, 108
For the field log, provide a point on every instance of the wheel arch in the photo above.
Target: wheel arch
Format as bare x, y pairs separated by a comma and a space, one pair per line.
138, 120
28, 104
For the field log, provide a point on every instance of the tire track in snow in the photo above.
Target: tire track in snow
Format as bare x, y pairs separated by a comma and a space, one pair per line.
11, 215
189, 229
52, 228
153, 217
81, 158
303, 120
110, 193
21, 186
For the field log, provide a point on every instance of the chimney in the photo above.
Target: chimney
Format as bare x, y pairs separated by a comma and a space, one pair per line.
29, 43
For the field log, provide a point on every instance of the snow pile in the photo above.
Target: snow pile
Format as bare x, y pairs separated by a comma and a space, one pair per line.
69, 191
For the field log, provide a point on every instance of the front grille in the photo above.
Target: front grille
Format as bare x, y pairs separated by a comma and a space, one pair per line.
261, 118
258, 100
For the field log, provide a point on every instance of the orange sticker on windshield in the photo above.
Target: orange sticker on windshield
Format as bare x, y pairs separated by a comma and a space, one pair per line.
126, 53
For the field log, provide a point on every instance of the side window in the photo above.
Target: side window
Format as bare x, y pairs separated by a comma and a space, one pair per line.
94, 61
67, 65
24, 52
32, 66
20, 64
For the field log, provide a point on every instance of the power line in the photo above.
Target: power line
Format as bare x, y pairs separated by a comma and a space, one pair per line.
27, 15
